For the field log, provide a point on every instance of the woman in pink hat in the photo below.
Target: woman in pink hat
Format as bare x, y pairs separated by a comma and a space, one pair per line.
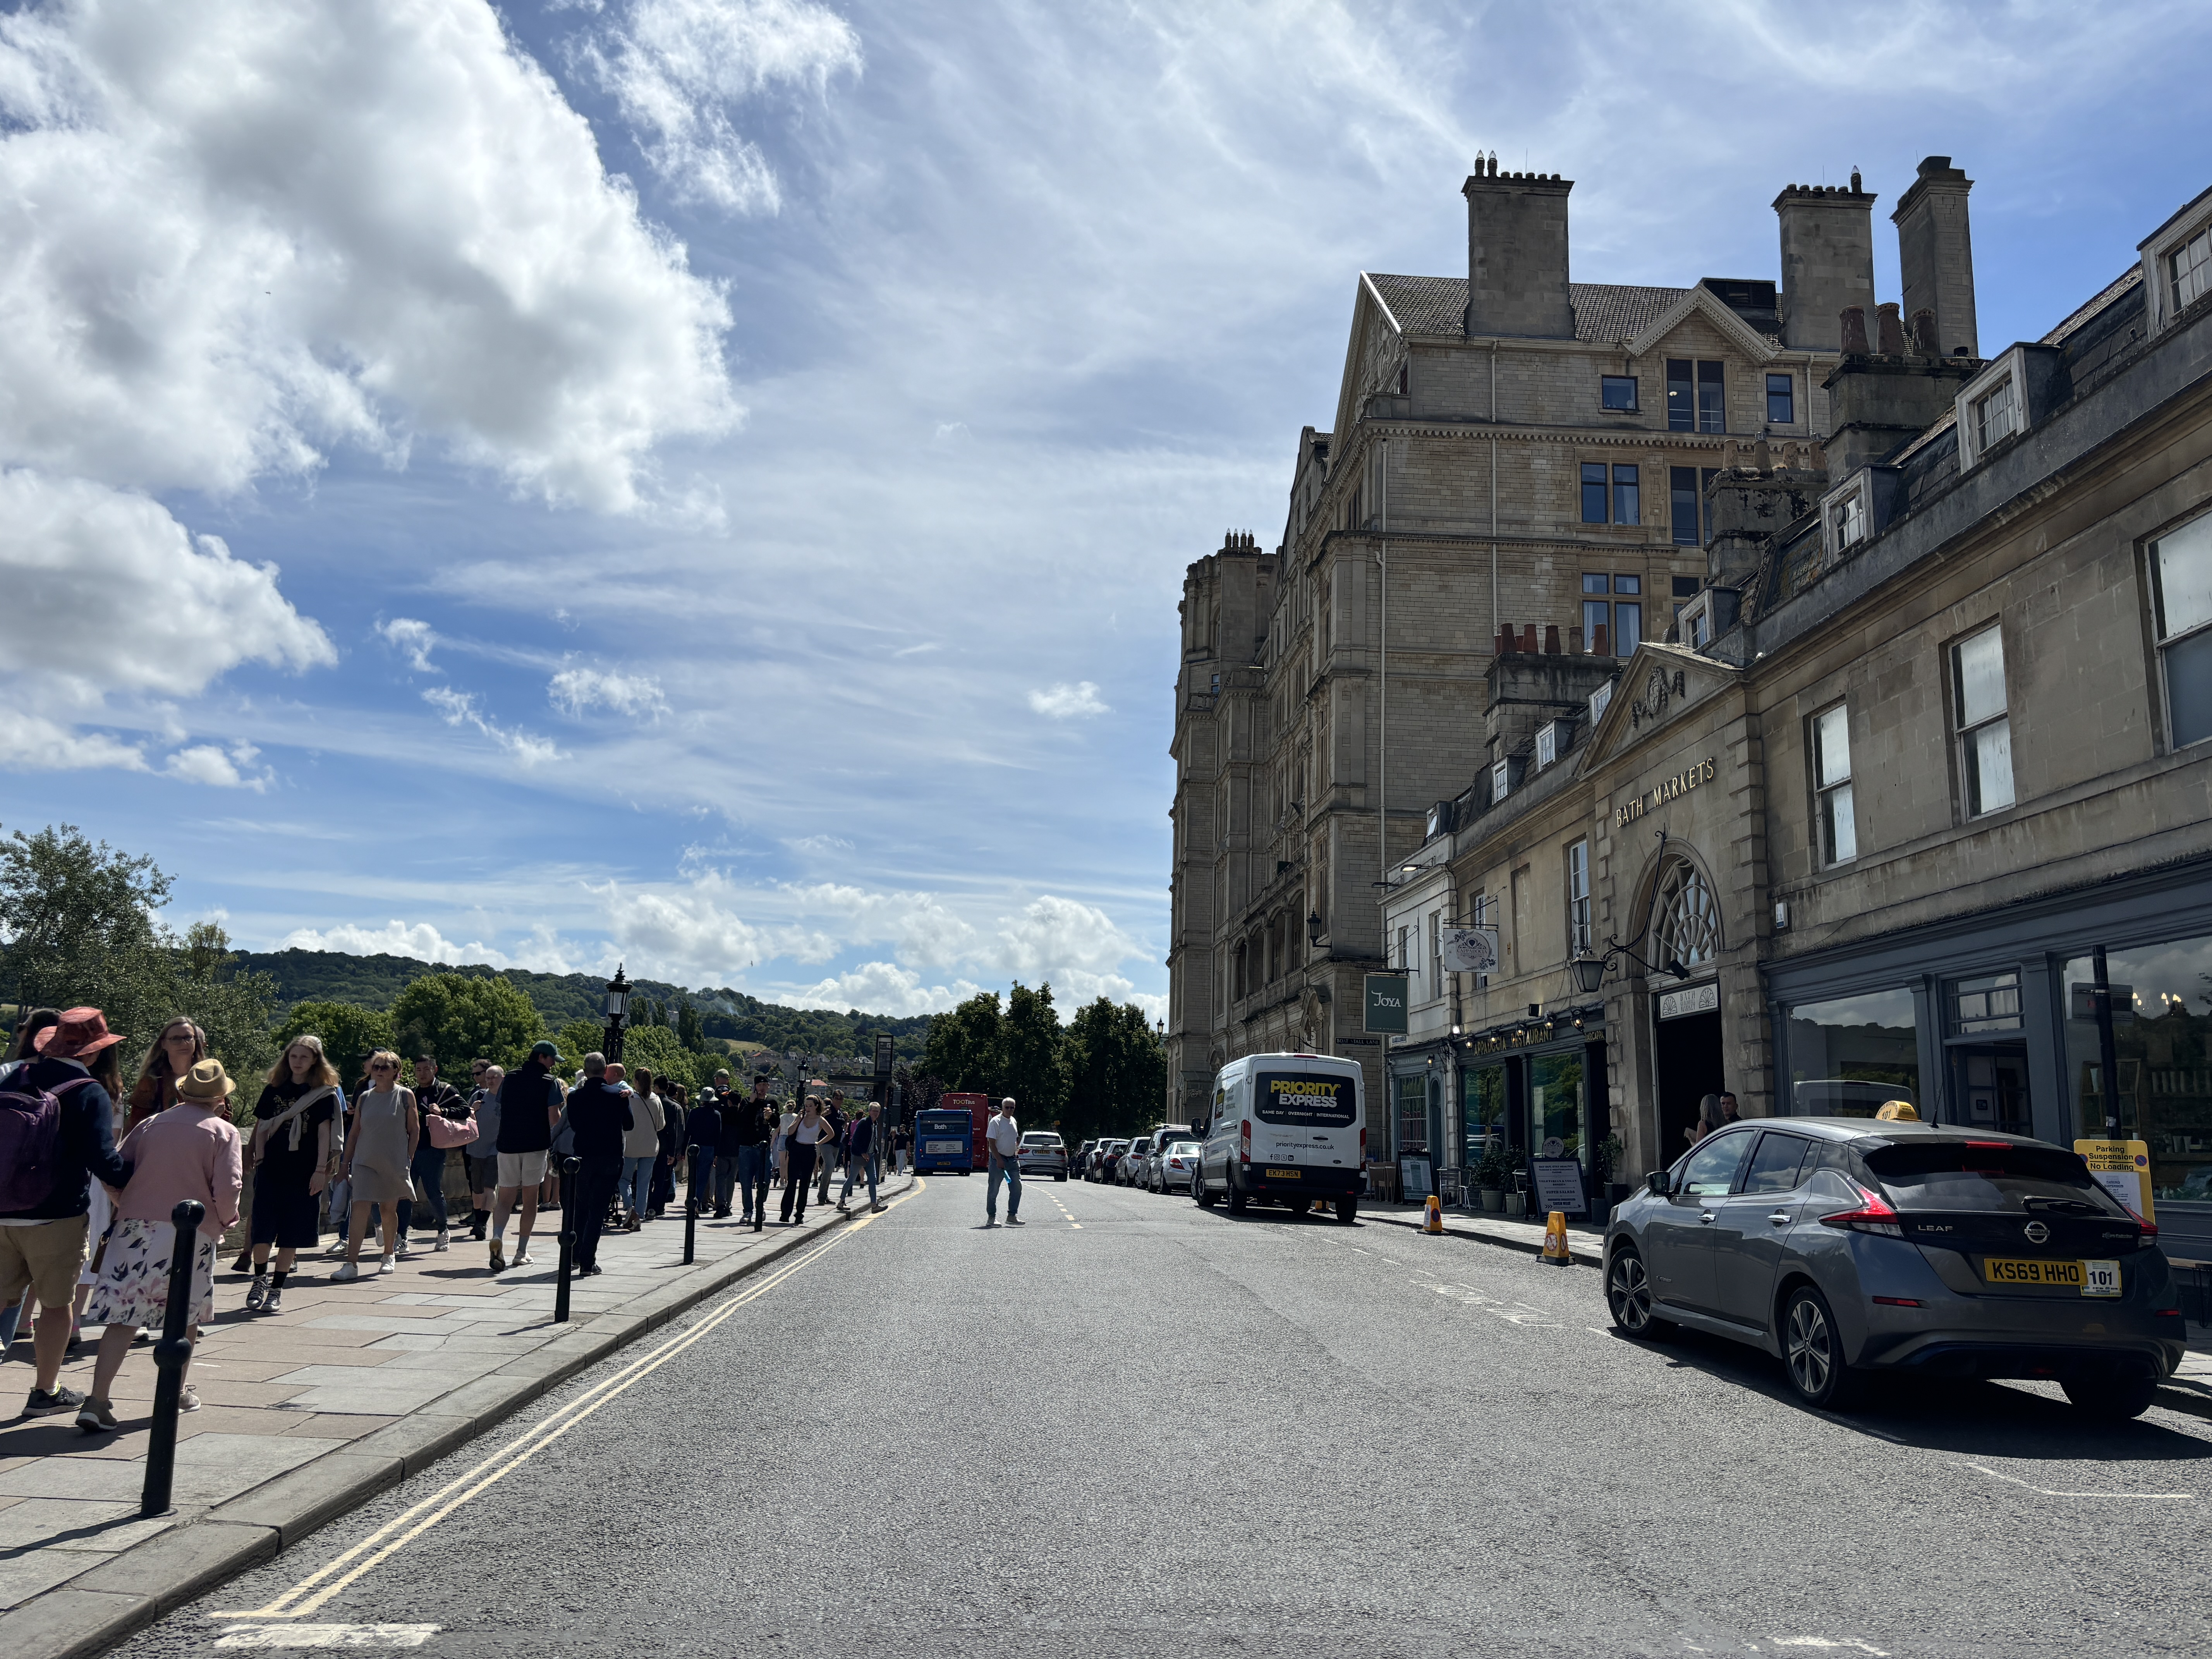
189, 1151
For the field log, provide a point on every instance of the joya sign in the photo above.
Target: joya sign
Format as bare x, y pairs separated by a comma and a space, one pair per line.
1697, 773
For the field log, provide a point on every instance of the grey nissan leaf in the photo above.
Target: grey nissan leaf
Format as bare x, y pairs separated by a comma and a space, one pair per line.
1849, 1248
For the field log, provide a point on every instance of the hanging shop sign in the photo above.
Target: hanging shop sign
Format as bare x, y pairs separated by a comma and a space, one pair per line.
1470, 950
1386, 1003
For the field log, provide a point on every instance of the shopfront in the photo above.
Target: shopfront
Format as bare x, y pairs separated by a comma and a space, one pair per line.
1990, 1022
1538, 1090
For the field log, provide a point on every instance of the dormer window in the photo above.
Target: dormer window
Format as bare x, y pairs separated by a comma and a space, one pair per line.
2189, 268
1848, 518
1600, 701
1501, 779
1548, 744
1996, 416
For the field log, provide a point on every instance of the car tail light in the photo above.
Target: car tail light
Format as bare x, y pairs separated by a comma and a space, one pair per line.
1896, 1302
1873, 1216
2149, 1228
1244, 1142
2166, 1313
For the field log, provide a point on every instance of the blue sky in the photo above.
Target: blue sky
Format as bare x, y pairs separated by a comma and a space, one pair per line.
728, 465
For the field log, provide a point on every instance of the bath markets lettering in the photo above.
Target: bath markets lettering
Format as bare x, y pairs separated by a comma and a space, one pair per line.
1680, 784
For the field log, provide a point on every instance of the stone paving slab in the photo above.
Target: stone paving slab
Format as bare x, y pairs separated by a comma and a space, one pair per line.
353, 1387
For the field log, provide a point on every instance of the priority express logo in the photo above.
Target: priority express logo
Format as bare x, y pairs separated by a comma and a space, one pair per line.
1308, 1089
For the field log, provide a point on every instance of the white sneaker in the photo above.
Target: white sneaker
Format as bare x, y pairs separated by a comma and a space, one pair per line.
388, 1265
523, 1259
406, 1251
347, 1270
440, 1247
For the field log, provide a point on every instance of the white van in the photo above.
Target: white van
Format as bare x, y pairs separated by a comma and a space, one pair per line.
1288, 1129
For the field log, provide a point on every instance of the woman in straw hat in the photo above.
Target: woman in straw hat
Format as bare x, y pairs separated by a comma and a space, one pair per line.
189, 1151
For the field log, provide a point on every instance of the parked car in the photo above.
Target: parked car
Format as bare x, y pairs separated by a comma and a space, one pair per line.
1849, 1248
1043, 1153
1103, 1157
1079, 1165
1173, 1169
1135, 1163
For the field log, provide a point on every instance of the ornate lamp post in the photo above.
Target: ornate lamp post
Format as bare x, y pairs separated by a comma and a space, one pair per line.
618, 1005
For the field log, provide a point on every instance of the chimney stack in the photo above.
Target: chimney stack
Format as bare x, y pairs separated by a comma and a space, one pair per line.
1827, 261
1516, 254
1935, 252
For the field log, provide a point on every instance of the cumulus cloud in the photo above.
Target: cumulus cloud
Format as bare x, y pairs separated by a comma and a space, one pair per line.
693, 933
544, 954
882, 988
573, 691
243, 234
919, 925
460, 709
412, 639
678, 68
218, 767
1064, 702
1074, 945
28, 743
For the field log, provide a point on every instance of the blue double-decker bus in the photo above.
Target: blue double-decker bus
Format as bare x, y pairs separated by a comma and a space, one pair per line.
942, 1141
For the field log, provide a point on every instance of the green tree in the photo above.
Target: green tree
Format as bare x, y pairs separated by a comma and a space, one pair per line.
689, 1030
457, 1018
1118, 1071
656, 1045
350, 1034
1032, 1068
577, 1038
234, 1009
963, 1048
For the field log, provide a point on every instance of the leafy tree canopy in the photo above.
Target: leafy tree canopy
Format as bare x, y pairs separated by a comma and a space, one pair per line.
963, 1046
350, 1034
457, 1018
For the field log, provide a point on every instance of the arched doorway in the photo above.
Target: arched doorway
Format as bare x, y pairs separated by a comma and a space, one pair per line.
1686, 1052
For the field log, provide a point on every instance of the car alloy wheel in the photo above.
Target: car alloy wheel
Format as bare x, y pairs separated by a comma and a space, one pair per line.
1628, 1294
1813, 1352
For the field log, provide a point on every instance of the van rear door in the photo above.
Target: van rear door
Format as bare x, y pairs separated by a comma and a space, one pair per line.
1305, 1118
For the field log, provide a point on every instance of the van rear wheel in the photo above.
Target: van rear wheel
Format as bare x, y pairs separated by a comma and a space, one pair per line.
1198, 1190
1237, 1197
1347, 1209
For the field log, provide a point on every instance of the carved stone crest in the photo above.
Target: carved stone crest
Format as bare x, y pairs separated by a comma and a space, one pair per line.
1659, 690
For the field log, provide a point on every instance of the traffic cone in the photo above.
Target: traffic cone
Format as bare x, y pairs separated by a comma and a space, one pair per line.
1555, 1241
1433, 1221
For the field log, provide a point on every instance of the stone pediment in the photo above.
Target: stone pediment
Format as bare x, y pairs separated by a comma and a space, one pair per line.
1661, 684
1703, 302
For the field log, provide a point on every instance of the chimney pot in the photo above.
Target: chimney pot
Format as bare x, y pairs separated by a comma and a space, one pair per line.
1889, 330
1923, 333
1529, 638
1574, 641
1852, 326
1551, 639
1603, 646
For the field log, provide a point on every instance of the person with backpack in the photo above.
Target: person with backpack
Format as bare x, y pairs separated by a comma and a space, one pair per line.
29, 1022
750, 1125
190, 1151
293, 1160
57, 1132
703, 1135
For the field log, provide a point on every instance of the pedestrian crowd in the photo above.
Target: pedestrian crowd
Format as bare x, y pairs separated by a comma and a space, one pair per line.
86, 1230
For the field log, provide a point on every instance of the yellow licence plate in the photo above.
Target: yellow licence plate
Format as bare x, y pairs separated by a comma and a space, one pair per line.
1285, 1175
2089, 1277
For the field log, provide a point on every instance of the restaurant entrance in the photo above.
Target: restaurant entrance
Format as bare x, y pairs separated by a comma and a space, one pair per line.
1685, 1064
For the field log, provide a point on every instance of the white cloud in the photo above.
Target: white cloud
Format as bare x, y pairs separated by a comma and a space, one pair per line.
1077, 947
242, 233
543, 954
920, 926
459, 708
1064, 702
678, 68
110, 598
208, 764
693, 933
881, 988
573, 690
413, 640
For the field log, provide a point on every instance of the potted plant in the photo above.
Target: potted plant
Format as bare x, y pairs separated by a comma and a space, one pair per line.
1516, 1195
1490, 1174
1610, 1151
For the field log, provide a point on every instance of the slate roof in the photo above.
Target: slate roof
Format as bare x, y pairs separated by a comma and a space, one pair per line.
1603, 311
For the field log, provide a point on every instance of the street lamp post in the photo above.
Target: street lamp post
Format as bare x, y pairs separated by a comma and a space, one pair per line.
618, 1005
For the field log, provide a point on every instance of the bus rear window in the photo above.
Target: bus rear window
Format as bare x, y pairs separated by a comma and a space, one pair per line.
1989, 1176
1303, 1099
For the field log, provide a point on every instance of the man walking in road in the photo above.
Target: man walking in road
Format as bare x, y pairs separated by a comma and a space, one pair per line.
861, 1150
750, 1126
529, 1107
600, 1111
1003, 1138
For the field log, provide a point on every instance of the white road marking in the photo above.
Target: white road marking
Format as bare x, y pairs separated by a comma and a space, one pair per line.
2045, 1492
326, 1635
1828, 1641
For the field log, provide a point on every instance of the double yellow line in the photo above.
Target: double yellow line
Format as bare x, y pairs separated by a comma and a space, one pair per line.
312, 1592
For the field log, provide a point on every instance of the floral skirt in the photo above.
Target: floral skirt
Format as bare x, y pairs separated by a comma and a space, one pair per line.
133, 1288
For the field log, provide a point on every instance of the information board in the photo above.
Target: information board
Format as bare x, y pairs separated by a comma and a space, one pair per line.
1412, 1178
1558, 1187
2122, 1167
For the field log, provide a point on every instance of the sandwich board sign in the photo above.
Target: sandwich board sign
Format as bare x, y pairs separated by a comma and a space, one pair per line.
1385, 1003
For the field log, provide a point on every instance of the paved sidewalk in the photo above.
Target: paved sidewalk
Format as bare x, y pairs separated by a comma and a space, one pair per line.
352, 1386
1584, 1240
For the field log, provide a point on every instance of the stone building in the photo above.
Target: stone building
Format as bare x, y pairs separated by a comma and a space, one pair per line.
1930, 748
1510, 449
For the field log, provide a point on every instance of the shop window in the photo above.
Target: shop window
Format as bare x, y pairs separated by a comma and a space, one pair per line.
1685, 925
1618, 393
1413, 1094
1482, 1111
1578, 899
1593, 492
1555, 1102
1781, 400
2181, 600
1832, 782
1985, 729
2162, 1040
1848, 1056
1989, 1002
1627, 495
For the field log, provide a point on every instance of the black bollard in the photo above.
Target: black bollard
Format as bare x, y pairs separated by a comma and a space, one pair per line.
170, 1355
691, 1209
568, 1238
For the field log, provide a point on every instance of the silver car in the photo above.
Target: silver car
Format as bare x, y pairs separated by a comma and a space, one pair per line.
1135, 1165
1173, 1167
1849, 1248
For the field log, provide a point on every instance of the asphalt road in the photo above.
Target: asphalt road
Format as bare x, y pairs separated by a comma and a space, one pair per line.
1133, 1427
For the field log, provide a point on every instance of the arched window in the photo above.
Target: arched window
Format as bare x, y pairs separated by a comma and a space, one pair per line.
1685, 922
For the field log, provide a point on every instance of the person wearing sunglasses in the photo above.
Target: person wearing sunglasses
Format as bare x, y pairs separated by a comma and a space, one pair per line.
377, 1156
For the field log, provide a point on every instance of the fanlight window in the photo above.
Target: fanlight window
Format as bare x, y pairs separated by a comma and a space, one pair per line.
1686, 923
